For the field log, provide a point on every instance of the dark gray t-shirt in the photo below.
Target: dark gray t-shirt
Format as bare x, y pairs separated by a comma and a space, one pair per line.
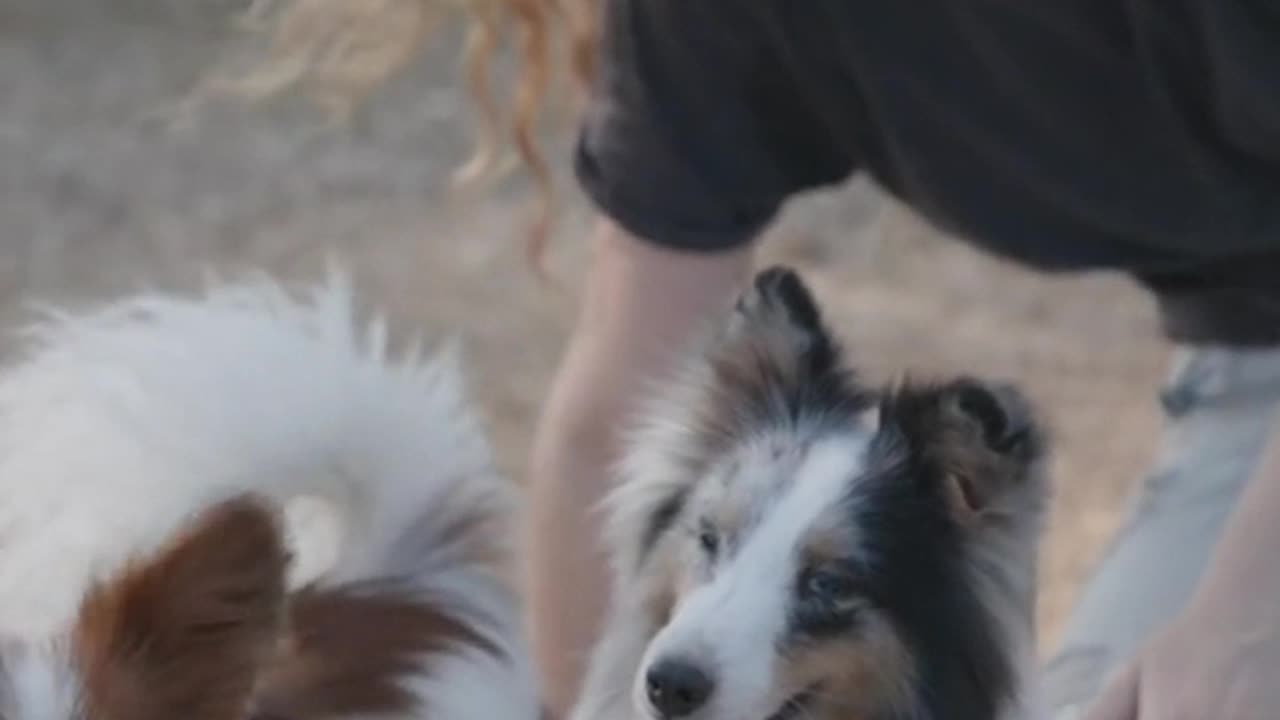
1069, 135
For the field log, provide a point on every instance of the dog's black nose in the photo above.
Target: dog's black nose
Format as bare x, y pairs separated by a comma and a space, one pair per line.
677, 688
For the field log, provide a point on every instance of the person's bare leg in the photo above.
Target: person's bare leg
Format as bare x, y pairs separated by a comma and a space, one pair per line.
640, 303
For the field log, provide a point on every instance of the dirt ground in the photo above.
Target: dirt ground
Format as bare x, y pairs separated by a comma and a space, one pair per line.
99, 196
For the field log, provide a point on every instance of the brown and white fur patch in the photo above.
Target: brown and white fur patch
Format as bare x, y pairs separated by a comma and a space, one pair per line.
236, 506
788, 543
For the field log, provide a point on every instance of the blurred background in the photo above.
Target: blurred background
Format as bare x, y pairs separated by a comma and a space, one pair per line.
102, 192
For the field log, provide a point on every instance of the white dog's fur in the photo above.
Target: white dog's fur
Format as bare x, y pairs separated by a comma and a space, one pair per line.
122, 423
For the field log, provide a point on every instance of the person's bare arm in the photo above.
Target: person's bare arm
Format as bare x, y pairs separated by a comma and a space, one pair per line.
640, 303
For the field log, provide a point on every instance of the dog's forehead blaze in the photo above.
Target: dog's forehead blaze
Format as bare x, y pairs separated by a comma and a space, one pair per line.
801, 500
754, 477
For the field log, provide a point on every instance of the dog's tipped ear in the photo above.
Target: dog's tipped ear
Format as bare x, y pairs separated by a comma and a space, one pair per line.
980, 439
988, 438
778, 294
186, 633
998, 412
777, 317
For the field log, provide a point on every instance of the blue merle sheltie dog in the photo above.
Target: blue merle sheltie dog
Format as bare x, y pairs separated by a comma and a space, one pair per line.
789, 543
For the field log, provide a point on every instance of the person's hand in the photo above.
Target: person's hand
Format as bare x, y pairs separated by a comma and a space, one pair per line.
1212, 663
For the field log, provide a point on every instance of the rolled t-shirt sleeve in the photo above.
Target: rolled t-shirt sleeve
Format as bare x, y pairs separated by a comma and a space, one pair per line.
696, 134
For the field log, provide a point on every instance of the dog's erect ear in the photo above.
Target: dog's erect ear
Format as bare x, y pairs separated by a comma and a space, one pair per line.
778, 294
186, 633
980, 439
777, 319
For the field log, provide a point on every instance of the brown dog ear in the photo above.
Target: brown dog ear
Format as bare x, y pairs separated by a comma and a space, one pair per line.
186, 633
981, 440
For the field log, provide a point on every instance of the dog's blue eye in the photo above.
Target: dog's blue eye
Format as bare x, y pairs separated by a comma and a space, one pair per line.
828, 600
828, 586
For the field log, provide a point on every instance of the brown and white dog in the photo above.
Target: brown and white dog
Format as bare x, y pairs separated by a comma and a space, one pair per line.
236, 507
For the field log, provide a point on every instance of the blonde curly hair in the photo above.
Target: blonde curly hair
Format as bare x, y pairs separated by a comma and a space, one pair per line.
340, 51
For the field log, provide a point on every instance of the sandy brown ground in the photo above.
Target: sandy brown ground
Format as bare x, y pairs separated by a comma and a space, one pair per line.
98, 197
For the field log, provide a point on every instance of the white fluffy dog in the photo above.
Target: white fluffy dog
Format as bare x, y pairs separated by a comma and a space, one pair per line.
237, 506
